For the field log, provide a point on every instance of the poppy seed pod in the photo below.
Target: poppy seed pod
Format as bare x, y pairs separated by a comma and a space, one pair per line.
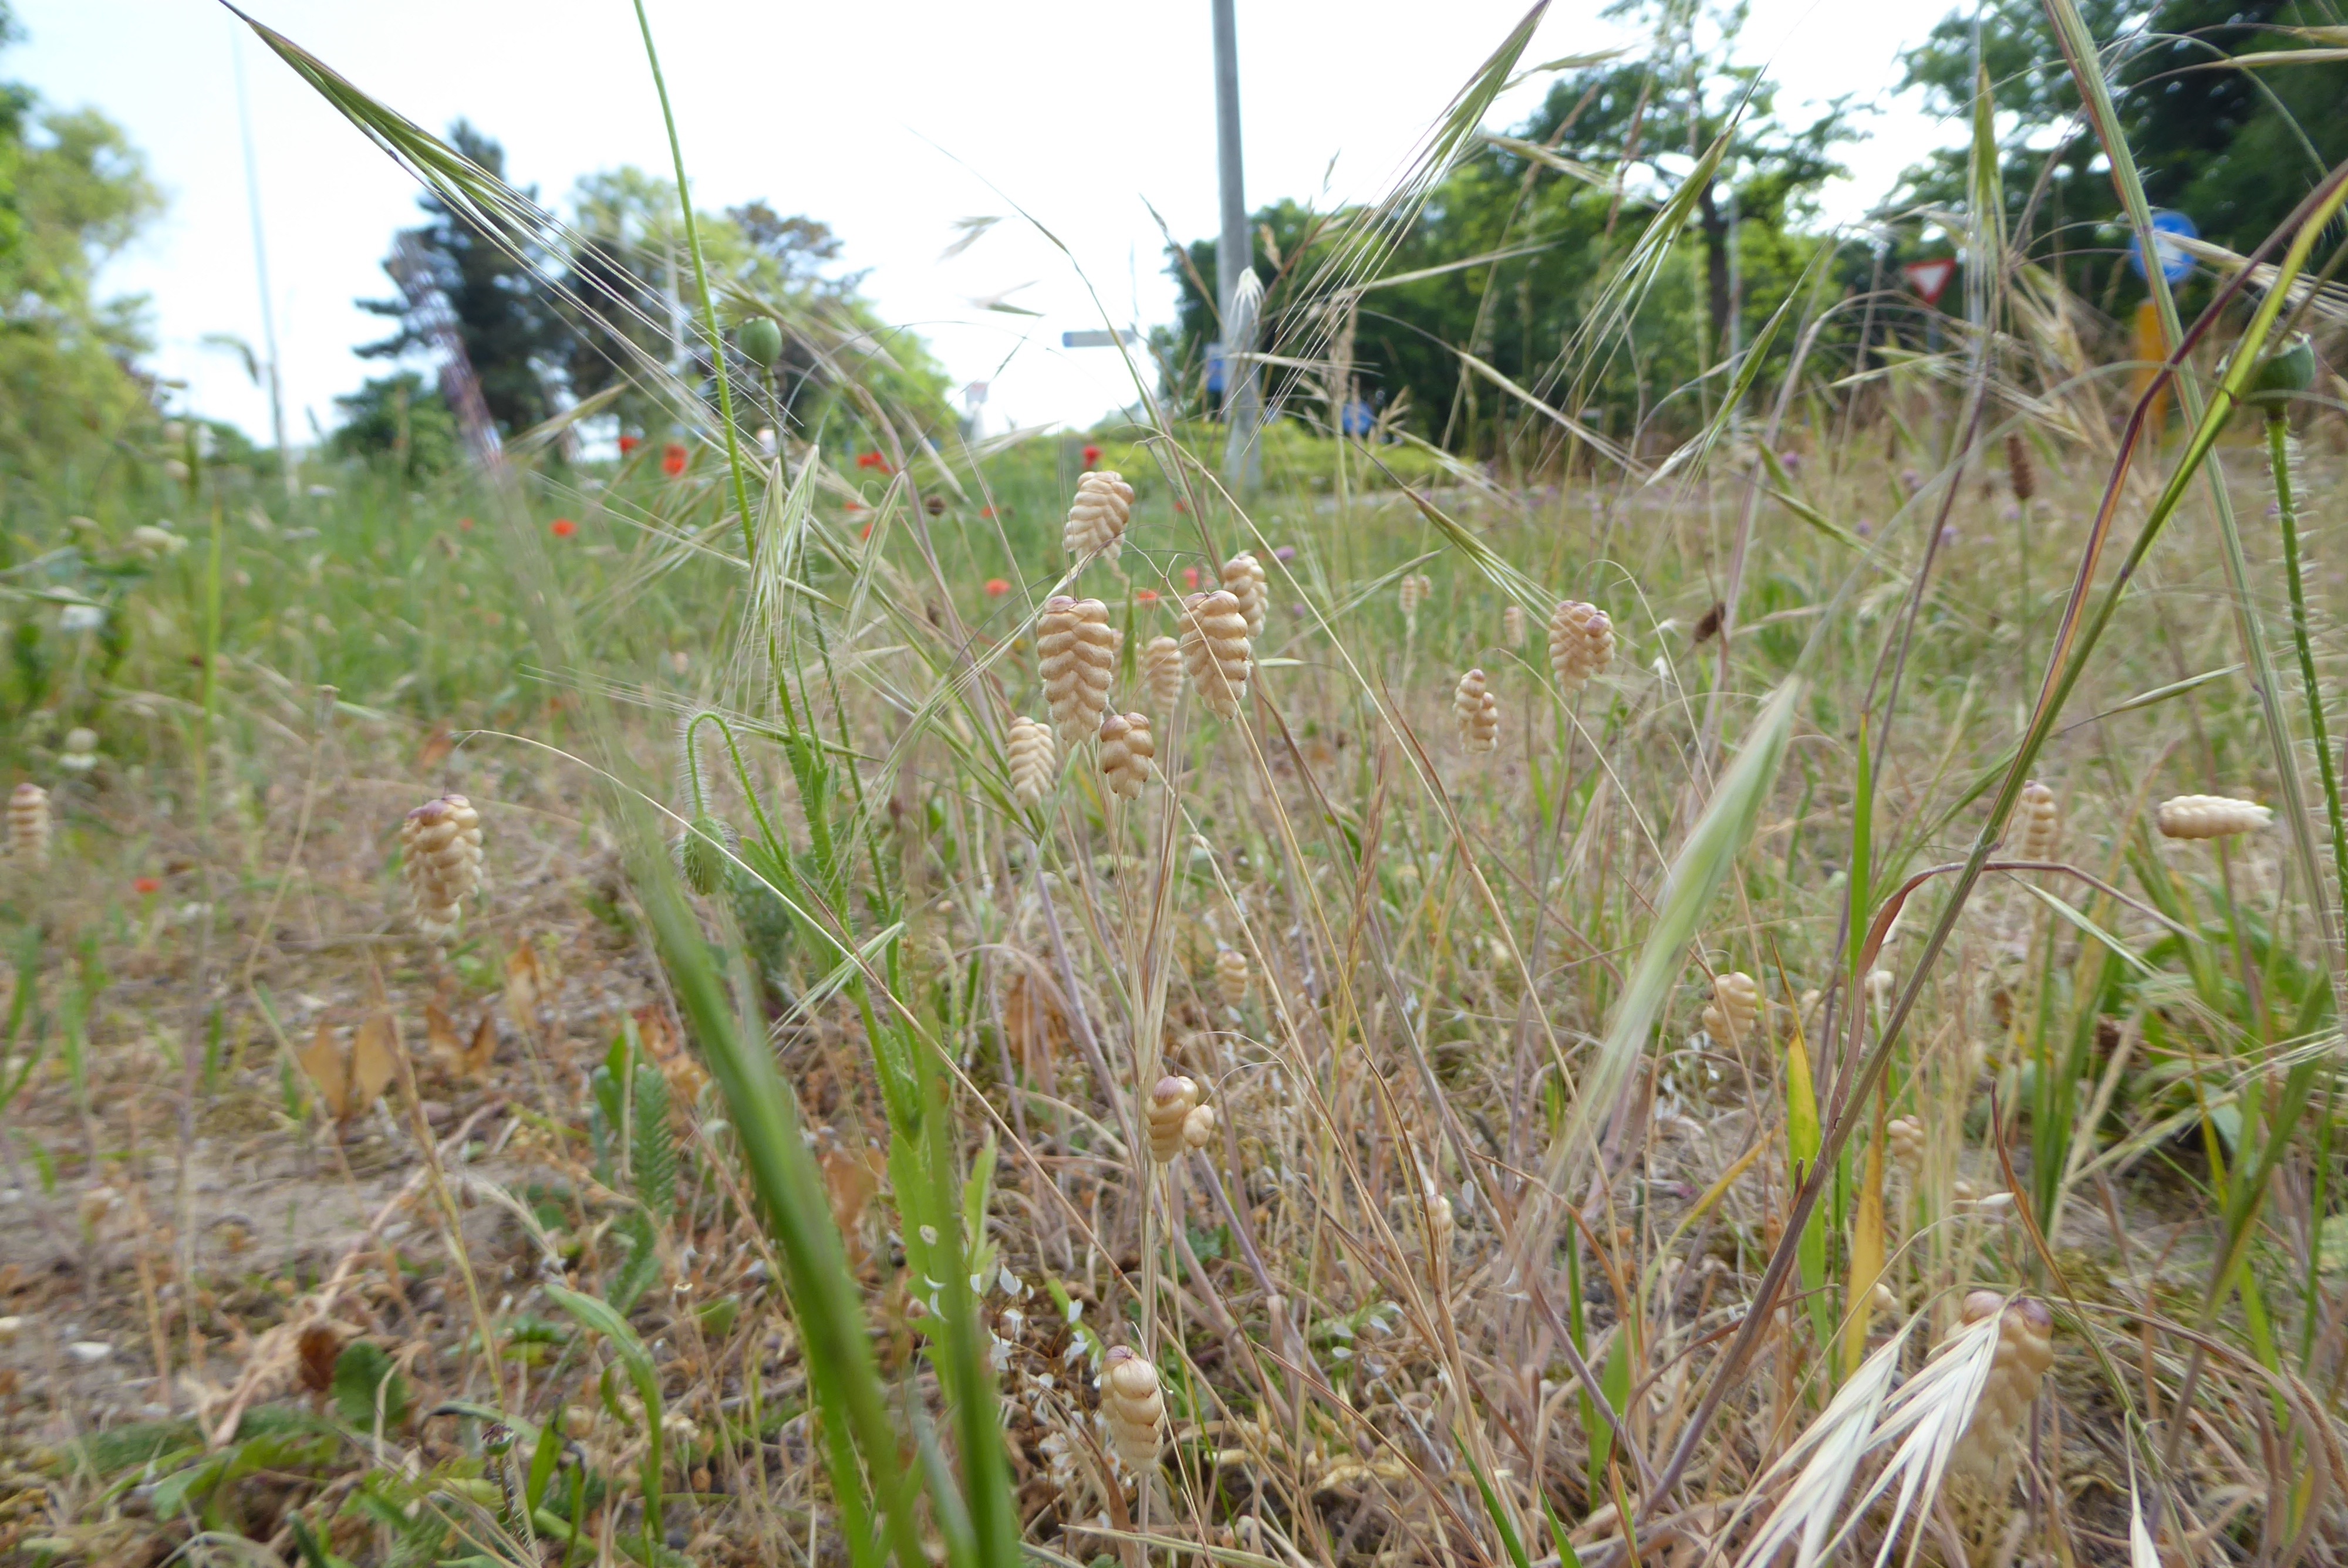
1030, 750
1126, 752
760, 339
1161, 672
1479, 712
440, 853
2283, 375
1170, 1104
1215, 647
1580, 643
1078, 650
1134, 1407
2038, 823
1243, 576
1097, 518
2209, 817
29, 826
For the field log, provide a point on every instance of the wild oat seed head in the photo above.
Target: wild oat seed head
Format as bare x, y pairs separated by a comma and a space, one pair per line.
1231, 976
1134, 1406
1243, 576
1580, 643
440, 854
1904, 1141
1479, 712
2025, 1348
29, 826
1162, 673
1413, 593
1097, 520
1734, 1014
1078, 653
1034, 760
1125, 750
1512, 626
2037, 824
1215, 650
2211, 816
1170, 1104
2019, 472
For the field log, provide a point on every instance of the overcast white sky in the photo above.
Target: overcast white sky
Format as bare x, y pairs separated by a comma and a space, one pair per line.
888, 121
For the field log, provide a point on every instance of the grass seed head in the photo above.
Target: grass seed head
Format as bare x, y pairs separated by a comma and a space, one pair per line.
1170, 1104
1231, 976
2211, 816
1126, 751
1096, 520
1479, 712
1198, 1127
1512, 626
1034, 760
1078, 654
1413, 593
2019, 472
440, 853
1215, 647
2025, 1348
1904, 1137
1736, 1010
29, 826
1162, 673
1580, 643
1243, 576
1135, 1407
2038, 825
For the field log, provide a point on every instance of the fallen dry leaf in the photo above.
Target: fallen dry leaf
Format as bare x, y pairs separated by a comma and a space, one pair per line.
375, 1057
476, 1058
436, 749
441, 1040
329, 1071
522, 986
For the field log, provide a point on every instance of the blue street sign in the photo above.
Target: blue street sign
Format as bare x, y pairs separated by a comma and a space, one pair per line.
2175, 262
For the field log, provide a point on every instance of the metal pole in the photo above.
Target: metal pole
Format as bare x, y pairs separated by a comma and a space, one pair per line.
1242, 462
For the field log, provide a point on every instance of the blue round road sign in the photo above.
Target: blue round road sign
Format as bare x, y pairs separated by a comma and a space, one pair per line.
2175, 262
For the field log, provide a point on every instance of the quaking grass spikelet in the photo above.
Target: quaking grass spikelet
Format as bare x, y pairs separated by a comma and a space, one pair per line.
1134, 1407
1162, 673
1033, 759
1244, 580
2211, 816
2025, 1348
1216, 650
1077, 652
1734, 1014
1231, 976
440, 853
1413, 593
2038, 823
1126, 752
1512, 626
1097, 518
29, 826
1580, 643
1479, 712
1904, 1141
1170, 1104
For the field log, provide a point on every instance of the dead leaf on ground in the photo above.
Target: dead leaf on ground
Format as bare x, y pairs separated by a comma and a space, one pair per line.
523, 986
655, 1033
476, 1057
375, 1057
436, 749
329, 1071
441, 1040
319, 1345
852, 1181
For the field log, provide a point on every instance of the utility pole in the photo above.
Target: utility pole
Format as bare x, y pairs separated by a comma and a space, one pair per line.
261, 270
1242, 461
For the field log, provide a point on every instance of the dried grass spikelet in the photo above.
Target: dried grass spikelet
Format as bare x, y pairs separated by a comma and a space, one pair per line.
2211, 816
1134, 1406
1078, 652
29, 826
1413, 592
1581, 642
1215, 650
1170, 1104
1478, 712
1512, 626
1125, 750
1243, 576
1034, 760
440, 851
1904, 1139
1438, 1221
1162, 673
1231, 976
1734, 1014
1096, 520
2038, 826
2025, 1348
1198, 1127
2020, 471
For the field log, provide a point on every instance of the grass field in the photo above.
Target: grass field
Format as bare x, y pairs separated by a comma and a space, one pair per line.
1728, 1119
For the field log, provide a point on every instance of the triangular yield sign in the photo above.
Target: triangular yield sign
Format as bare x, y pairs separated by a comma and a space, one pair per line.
1929, 277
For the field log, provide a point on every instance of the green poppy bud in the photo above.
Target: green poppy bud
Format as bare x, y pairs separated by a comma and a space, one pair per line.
760, 340
2283, 375
702, 852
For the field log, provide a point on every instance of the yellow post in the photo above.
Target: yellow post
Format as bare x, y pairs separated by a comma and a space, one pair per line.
2152, 347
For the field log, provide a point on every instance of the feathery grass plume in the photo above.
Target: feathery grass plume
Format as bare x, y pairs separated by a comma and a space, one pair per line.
2038, 823
1033, 759
1477, 711
1078, 650
2020, 471
1512, 626
1231, 976
703, 852
1215, 647
1126, 751
1096, 520
1243, 576
1580, 643
1412, 593
2209, 817
29, 826
1135, 1407
1735, 1010
1904, 1139
1170, 1104
2025, 1348
440, 853
1162, 673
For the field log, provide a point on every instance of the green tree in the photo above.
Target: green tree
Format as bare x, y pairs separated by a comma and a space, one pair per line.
400, 423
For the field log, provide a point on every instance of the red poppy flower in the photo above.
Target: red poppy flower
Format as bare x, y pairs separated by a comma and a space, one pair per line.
1183, 506
629, 444
673, 459
146, 885
1092, 456
987, 511
996, 587
872, 460
1145, 596
1189, 576
852, 506
867, 533
465, 524
563, 527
